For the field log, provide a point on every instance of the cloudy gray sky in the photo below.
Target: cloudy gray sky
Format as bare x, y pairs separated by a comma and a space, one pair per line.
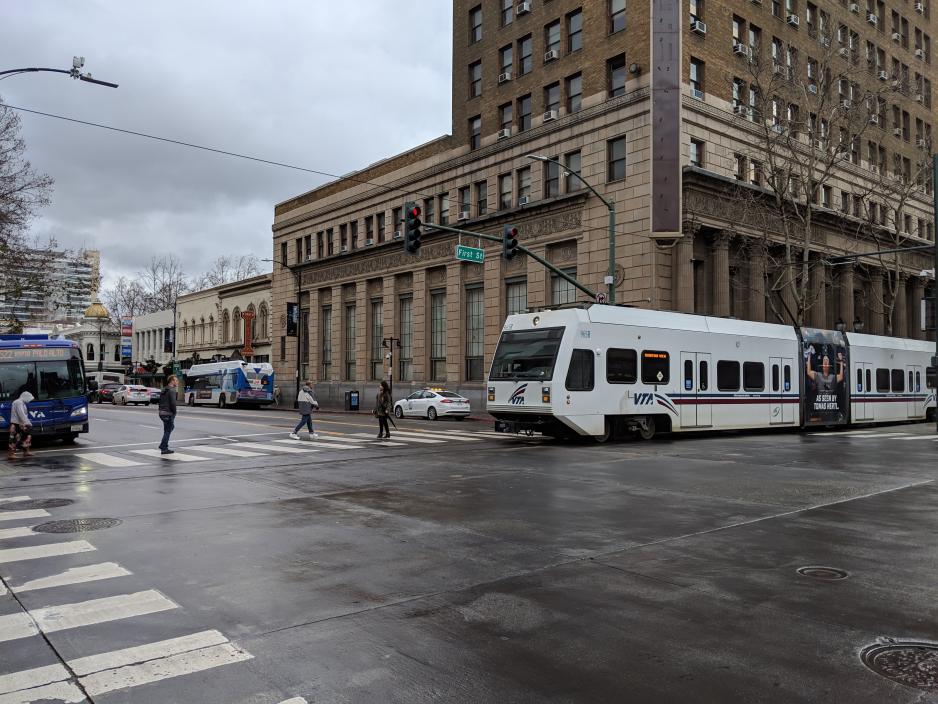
314, 83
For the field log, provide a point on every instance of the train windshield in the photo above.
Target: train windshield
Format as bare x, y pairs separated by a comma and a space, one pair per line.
526, 354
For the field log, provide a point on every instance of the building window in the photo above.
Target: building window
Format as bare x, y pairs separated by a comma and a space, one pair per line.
524, 185
475, 332
350, 342
325, 329
283, 254
695, 10
354, 234
444, 208
615, 74
438, 336
575, 31
561, 290
505, 59
508, 11
574, 92
504, 192
572, 162
516, 297
429, 209
236, 326
524, 113
696, 78
826, 195
377, 337
397, 217
616, 16
505, 116
299, 250
615, 150
263, 324
551, 179
552, 97
696, 153
330, 242
482, 198
475, 25
475, 132
525, 49
475, 79
465, 203
89, 353
406, 352
739, 167
343, 237
320, 245
552, 37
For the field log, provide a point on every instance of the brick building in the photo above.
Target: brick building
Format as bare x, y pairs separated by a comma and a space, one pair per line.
683, 124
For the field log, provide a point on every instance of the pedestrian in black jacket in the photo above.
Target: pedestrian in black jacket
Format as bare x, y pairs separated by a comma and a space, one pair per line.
168, 412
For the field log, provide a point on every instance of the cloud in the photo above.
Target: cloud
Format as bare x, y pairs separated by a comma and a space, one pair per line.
316, 84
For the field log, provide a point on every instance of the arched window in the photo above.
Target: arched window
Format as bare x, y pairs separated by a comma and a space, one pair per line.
211, 329
89, 354
117, 351
263, 322
225, 324
251, 309
201, 331
236, 325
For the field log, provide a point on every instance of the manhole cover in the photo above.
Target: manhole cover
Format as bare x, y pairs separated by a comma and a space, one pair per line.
77, 525
36, 503
828, 574
912, 663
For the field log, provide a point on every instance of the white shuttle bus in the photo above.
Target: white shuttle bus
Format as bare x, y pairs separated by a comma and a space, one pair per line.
604, 371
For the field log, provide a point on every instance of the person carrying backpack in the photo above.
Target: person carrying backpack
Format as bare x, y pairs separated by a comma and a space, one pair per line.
306, 404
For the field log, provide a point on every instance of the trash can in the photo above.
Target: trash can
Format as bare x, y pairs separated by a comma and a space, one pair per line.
351, 400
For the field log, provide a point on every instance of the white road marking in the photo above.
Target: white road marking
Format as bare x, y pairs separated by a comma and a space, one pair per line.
436, 434
175, 457
883, 435
272, 448
316, 443
3, 589
36, 677
295, 700
164, 668
16, 515
16, 532
108, 460
230, 451
36, 552
60, 692
338, 438
402, 438
75, 575
919, 437
111, 608
16, 626
142, 653
10, 499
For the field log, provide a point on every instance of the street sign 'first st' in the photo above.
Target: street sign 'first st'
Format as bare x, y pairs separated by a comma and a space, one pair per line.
470, 254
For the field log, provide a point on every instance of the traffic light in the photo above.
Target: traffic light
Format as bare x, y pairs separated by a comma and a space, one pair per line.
412, 227
509, 242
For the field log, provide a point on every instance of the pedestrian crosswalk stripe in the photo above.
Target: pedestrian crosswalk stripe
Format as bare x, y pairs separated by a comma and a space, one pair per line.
16, 626
431, 434
36, 552
6, 533
75, 575
295, 700
399, 436
11, 499
36, 677
224, 450
272, 448
60, 692
111, 608
175, 457
338, 438
107, 460
918, 437
16, 515
316, 443
142, 653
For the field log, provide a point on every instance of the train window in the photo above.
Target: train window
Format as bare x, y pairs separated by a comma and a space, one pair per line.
621, 366
688, 375
859, 380
882, 380
930, 377
787, 377
753, 376
869, 379
918, 381
727, 375
898, 380
911, 386
580, 374
774, 377
655, 367
702, 380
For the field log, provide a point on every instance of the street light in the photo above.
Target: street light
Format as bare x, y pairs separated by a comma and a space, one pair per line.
296, 279
611, 275
78, 62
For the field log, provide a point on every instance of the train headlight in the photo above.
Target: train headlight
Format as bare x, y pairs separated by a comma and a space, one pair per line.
545, 394
491, 393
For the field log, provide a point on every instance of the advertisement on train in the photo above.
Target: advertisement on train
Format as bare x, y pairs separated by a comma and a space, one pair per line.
826, 367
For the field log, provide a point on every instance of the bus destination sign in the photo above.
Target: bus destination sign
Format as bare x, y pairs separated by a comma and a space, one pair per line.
32, 354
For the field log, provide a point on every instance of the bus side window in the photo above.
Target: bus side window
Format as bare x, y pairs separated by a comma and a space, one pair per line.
621, 366
898, 381
688, 375
882, 380
727, 375
580, 375
775, 378
787, 377
859, 380
702, 382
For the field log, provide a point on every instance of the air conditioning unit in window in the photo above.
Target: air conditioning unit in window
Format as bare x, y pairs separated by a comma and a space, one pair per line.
854, 8
919, 98
740, 49
780, 70
397, 234
896, 36
845, 104
919, 53
698, 27
872, 18
551, 55
920, 142
523, 8
897, 132
463, 215
824, 40
812, 88
523, 200
503, 77
369, 242
883, 76
740, 109
920, 8
344, 249
793, 20
504, 133
874, 119
551, 115
843, 52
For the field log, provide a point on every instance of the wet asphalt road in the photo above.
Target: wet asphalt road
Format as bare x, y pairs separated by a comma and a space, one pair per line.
459, 566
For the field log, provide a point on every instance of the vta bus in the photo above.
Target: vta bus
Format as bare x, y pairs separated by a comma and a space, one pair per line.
228, 383
53, 372
603, 371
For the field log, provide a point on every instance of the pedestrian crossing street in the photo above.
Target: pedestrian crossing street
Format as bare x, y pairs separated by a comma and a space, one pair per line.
272, 446
881, 433
94, 674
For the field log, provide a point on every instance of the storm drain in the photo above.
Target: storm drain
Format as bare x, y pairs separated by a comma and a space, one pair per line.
912, 663
77, 525
827, 574
36, 503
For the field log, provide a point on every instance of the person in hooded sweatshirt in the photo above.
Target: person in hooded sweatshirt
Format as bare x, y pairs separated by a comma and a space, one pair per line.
20, 426
306, 403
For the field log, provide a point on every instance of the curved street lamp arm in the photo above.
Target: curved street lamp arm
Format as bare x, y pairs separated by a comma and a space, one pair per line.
74, 73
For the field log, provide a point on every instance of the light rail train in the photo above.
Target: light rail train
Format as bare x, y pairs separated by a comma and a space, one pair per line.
605, 371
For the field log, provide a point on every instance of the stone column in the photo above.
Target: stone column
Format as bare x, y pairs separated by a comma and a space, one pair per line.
721, 275
757, 286
874, 324
683, 273
900, 310
847, 313
390, 323
817, 314
338, 335
421, 326
915, 305
455, 323
789, 307
362, 303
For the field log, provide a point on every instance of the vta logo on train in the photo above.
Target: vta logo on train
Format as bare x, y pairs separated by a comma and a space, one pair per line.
648, 399
517, 396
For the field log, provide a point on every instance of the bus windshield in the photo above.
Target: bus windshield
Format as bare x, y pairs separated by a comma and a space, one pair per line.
44, 380
526, 354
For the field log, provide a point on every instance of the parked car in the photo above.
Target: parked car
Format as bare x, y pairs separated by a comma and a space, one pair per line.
131, 393
106, 392
432, 403
154, 394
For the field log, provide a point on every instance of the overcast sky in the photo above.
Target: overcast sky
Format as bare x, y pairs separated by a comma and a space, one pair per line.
314, 83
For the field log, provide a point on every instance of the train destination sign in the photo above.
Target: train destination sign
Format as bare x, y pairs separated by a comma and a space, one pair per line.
470, 254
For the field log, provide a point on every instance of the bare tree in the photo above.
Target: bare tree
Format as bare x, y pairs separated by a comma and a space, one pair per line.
126, 298
227, 269
155, 288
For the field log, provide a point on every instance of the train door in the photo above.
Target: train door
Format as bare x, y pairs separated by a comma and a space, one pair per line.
696, 410
862, 386
781, 410
913, 391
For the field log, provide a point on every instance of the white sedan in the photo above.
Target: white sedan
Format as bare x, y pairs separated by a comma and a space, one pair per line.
432, 403
131, 393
